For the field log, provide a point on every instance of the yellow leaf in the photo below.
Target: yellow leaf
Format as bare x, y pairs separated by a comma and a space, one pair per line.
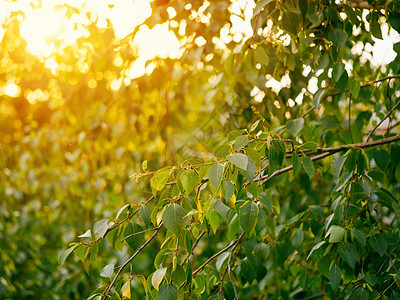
126, 290
232, 201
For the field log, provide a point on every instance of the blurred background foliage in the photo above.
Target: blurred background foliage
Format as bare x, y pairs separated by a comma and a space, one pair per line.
77, 118
79, 114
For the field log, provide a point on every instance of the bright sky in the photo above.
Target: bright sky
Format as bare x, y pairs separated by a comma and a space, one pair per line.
47, 25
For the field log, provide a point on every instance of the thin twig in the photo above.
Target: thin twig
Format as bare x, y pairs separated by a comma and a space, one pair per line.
387, 115
140, 232
130, 259
384, 262
351, 135
337, 93
228, 270
218, 254
194, 246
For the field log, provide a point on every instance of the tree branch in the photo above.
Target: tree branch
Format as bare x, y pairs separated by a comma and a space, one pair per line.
379, 124
328, 152
337, 93
194, 246
218, 254
130, 259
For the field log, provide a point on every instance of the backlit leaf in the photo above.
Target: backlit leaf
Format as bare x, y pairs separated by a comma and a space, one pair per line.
174, 218
215, 175
248, 216
238, 159
158, 277
334, 277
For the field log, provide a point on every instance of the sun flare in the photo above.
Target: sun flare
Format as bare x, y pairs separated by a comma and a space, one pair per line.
50, 27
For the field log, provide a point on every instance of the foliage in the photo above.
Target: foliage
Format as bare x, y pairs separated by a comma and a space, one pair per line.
300, 203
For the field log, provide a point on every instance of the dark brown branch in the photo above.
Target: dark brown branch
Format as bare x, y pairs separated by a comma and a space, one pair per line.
379, 124
328, 152
130, 259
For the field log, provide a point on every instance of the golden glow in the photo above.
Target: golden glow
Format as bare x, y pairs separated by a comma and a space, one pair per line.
10, 89
50, 27
38, 27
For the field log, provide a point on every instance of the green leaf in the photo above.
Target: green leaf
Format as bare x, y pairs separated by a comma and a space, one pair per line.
179, 275
338, 165
337, 72
296, 163
215, 220
80, 252
375, 27
189, 180
240, 142
64, 255
260, 55
107, 271
215, 173
254, 155
381, 158
248, 216
121, 210
221, 259
394, 20
348, 253
354, 87
259, 6
291, 22
266, 201
134, 241
336, 234
317, 246
295, 126
379, 244
396, 47
342, 83
254, 126
338, 37
158, 277
168, 292
101, 227
360, 294
303, 7
250, 171
318, 97
228, 188
87, 234
359, 237
174, 218
238, 159
145, 214
334, 277
222, 151
94, 252
309, 145
308, 165
298, 238
159, 180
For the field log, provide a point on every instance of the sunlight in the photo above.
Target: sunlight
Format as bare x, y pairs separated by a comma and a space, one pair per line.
48, 24
128, 14
39, 26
